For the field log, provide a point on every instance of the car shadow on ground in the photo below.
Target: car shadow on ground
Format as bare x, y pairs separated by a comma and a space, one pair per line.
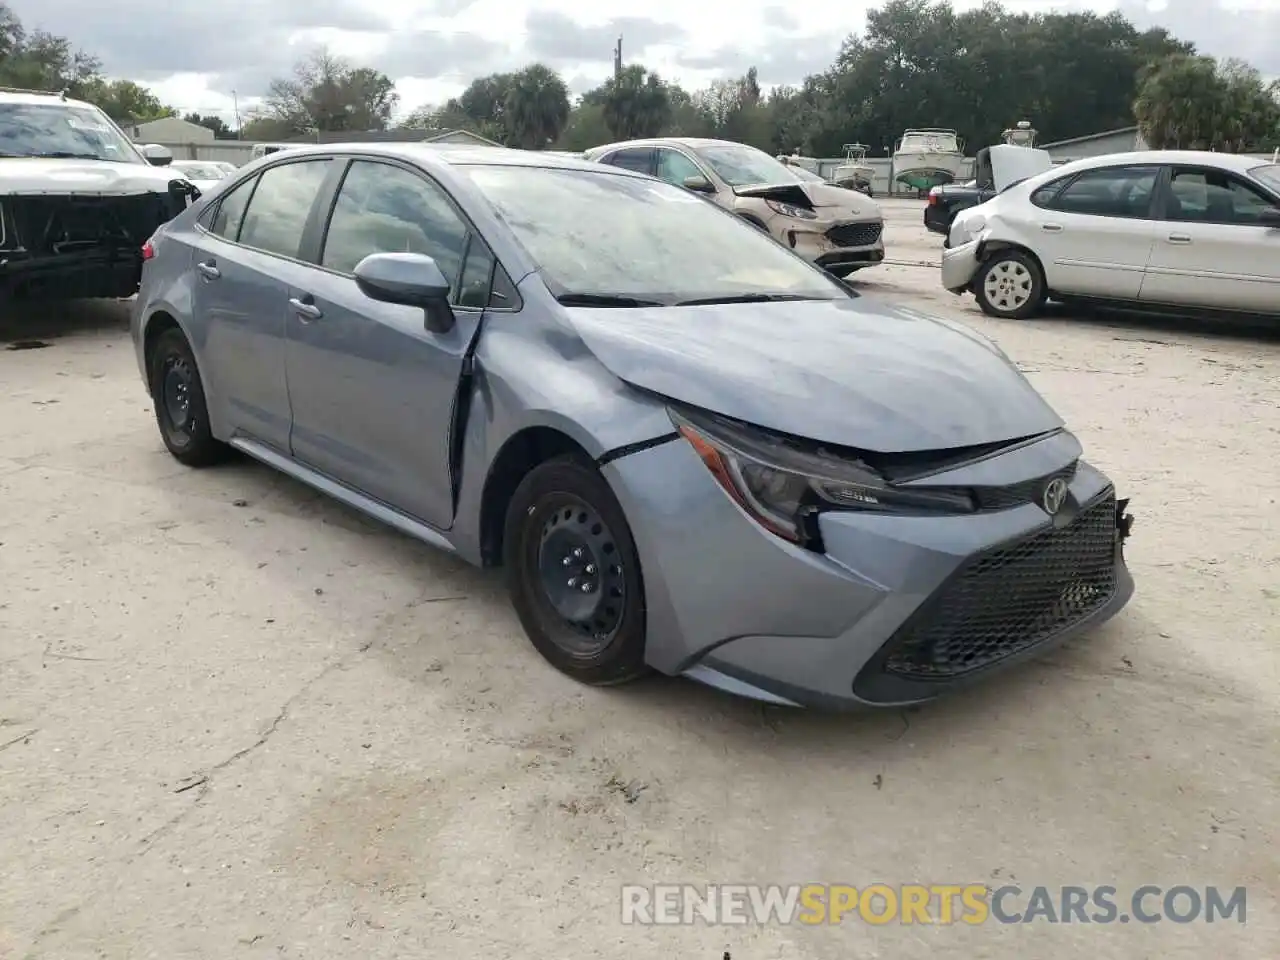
24, 325
730, 719
1141, 323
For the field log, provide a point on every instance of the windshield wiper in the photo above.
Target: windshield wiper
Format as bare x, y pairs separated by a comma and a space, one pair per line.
604, 300
745, 298
67, 155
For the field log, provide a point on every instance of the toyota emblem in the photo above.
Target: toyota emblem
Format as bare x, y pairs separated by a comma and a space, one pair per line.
1055, 495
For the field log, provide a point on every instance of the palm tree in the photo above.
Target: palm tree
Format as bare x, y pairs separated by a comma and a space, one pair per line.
536, 107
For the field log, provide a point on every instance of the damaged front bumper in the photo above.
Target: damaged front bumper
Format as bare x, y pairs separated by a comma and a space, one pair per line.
71, 246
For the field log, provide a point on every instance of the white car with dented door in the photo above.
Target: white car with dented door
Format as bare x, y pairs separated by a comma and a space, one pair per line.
1158, 229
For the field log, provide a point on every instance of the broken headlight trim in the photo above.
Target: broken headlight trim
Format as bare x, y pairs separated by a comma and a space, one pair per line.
783, 487
790, 210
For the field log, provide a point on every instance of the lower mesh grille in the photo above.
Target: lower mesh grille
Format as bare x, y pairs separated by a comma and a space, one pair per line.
1011, 598
855, 234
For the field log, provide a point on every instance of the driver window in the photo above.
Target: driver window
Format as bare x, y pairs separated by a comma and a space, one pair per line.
386, 209
675, 167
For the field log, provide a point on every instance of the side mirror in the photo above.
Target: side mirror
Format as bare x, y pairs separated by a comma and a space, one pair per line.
157, 155
699, 185
411, 279
1270, 217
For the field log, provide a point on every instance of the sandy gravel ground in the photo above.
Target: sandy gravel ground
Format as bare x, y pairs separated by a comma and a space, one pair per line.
237, 720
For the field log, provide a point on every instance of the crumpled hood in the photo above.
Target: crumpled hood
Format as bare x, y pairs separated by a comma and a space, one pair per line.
829, 200
850, 372
39, 176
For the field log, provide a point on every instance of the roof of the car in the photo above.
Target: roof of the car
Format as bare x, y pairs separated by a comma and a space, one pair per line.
691, 142
457, 154
1202, 158
37, 98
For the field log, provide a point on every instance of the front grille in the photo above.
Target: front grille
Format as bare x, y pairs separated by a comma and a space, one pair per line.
855, 234
1011, 598
1017, 494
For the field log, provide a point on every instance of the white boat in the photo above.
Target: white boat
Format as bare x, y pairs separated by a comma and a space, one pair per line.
927, 157
855, 173
1021, 135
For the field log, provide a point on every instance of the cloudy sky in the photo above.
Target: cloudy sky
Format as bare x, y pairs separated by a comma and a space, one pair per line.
194, 54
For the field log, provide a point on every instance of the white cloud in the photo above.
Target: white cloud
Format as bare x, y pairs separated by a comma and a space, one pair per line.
195, 55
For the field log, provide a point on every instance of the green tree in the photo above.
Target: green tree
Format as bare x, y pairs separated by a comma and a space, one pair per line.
585, 128
126, 102
1193, 102
327, 93
41, 60
636, 103
221, 130
536, 107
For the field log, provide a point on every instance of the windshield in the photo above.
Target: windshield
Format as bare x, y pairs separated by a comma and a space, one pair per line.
929, 141
610, 235
743, 166
1268, 173
199, 171
59, 129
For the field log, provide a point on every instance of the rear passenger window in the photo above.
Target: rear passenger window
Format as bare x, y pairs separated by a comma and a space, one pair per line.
228, 214
639, 159
1109, 192
281, 205
386, 209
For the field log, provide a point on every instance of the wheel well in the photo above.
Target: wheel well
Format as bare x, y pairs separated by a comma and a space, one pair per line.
519, 455
156, 325
755, 221
991, 246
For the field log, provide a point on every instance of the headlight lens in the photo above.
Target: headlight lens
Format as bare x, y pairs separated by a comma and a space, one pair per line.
783, 488
788, 210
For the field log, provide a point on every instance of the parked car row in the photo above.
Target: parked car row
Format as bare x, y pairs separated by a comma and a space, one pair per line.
692, 450
1156, 230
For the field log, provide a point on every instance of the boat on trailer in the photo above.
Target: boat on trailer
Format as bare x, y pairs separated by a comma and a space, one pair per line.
1022, 134
854, 173
927, 157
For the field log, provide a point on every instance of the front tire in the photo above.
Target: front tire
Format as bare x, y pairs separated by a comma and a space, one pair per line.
1009, 286
177, 394
574, 575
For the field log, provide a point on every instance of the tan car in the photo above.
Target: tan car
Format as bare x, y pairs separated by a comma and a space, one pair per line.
839, 230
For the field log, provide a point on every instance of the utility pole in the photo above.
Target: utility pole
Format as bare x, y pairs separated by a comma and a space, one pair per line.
235, 104
617, 60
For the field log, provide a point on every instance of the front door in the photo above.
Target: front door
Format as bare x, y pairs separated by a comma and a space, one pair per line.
240, 296
373, 390
1212, 250
1095, 234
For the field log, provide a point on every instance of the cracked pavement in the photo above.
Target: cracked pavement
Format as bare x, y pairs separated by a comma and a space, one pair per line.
238, 720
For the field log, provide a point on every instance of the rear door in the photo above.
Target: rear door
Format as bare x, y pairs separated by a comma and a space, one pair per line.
241, 295
1212, 250
1094, 232
373, 390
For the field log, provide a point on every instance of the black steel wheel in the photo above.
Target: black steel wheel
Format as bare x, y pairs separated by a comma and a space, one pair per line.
574, 575
178, 396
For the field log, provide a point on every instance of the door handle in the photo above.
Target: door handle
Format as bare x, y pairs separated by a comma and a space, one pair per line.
1179, 238
1051, 227
308, 311
209, 270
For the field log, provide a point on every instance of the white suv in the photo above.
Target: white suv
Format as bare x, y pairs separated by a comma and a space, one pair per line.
1160, 229
78, 199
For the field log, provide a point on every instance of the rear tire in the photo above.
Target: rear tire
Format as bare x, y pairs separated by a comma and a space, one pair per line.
574, 574
177, 393
1009, 286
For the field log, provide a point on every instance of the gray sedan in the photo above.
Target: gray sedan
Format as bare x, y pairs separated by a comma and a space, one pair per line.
691, 450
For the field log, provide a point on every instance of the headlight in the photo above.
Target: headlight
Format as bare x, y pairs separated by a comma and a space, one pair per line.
788, 210
783, 487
